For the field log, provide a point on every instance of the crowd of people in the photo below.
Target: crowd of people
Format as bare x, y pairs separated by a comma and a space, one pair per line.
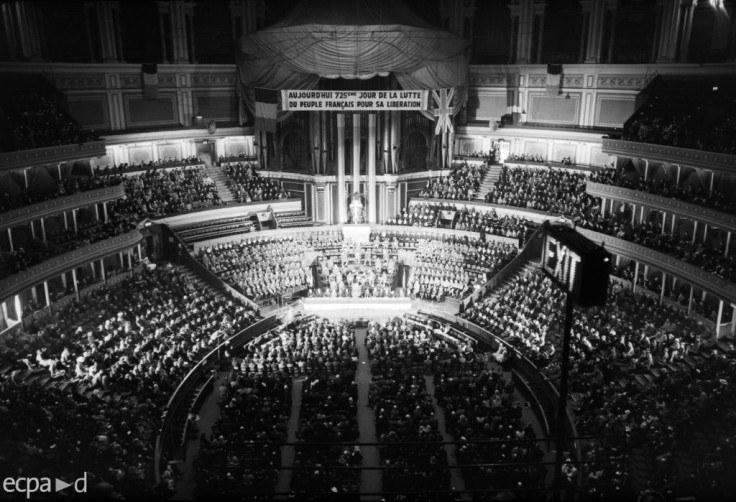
543, 189
247, 185
164, 163
37, 121
633, 349
426, 214
525, 157
67, 186
104, 370
462, 182
683, 129
455, 267
694, 194
161, 192
264, 268
357, 270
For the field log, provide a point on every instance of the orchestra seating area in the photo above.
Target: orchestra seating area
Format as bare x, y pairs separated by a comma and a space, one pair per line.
101, 373
632, 350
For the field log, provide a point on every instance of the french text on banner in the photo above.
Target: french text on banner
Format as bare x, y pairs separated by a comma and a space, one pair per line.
298, 100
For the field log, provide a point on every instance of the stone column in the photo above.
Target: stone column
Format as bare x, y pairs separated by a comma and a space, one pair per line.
524, 11
371, 168
163, 9
22, 30
356, 154
612, 8
341, 205
586, 7
688, 10
395, 139
539, 9
596, 24
514, 32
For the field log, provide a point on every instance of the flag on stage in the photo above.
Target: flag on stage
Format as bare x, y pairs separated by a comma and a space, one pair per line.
443, 112
265, 110
554, 76
149, 72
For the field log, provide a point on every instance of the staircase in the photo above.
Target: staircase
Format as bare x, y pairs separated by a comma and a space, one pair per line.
220, 179
489, 179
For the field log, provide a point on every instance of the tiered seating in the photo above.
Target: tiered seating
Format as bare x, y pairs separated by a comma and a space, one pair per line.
33, 120
166, 163
461, 184
633, 350
211, 229
101, 374
293, 219
264, 268
425, 214
67, 186
247, 185
692, 113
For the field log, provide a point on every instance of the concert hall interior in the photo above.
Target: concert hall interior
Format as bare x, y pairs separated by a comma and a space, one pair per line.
465, 250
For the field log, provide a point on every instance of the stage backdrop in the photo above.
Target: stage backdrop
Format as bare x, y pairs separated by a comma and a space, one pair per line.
352, 39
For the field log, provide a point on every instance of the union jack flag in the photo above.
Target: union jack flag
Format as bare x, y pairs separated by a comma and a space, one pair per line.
443, 112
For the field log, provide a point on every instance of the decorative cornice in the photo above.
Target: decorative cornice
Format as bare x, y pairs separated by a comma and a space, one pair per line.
51, 207
568, 81
491, 80
622, 81
58, 264
51, 155
696, 276
693, 211
699, 159
213, 80
90, 81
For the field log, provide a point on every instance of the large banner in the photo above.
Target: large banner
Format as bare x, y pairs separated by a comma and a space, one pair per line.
294, 100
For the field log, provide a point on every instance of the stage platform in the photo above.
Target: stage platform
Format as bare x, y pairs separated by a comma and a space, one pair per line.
357, 233
357, 308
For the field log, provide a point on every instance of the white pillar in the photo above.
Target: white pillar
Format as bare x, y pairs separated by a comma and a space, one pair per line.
356, 154
372, 168
719, 318
74, 219
342, 207
728, 243
43, 229
46, 293
636, 276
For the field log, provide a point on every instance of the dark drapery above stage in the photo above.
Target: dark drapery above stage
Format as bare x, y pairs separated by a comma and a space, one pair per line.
352, 39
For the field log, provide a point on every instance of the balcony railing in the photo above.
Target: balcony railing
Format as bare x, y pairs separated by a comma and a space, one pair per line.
695, 212
51, 155
32, 212
59, 264
718, 162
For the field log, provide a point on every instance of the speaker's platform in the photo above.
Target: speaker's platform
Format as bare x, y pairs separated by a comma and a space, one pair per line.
356, 308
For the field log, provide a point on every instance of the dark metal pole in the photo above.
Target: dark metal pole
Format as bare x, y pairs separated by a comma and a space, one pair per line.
562, 402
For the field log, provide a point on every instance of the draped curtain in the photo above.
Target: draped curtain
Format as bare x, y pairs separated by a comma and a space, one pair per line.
352, 39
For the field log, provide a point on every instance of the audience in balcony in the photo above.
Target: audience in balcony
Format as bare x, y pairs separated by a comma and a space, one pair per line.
164, 163
462, 182
699, 195
157, 193
67, 186
36, 121
525, 157
683, 129
247, 185
551, 190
